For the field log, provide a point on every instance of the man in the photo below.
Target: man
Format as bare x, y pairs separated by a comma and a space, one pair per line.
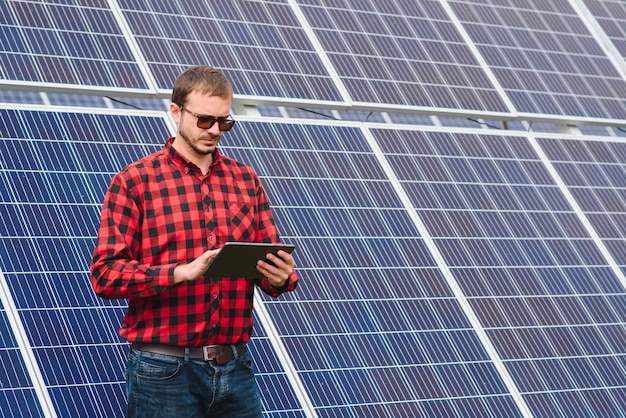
163, 220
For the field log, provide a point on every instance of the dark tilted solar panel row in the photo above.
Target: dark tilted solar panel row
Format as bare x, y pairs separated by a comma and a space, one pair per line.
401, 54
384, 323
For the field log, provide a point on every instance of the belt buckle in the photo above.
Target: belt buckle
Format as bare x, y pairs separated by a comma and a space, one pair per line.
208, 352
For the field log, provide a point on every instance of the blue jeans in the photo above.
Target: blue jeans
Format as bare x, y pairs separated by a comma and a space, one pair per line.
165, 386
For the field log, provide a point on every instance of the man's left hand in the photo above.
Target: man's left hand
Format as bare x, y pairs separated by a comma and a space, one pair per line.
278, 275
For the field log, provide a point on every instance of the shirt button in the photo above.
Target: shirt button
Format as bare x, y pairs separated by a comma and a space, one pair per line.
211, 237
214, 326
186, 169
214, 296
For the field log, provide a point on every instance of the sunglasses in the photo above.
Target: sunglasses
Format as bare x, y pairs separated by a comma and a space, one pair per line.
206, 122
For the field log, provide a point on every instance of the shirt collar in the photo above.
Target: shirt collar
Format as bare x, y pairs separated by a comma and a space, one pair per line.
183, 162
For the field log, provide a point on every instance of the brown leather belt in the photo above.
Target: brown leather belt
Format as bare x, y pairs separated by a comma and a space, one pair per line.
219, 353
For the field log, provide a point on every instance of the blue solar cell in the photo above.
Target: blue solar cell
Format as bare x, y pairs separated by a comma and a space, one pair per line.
282, 402
17, 253
55, 334
92, 400
7, 338
9, 225
24, 400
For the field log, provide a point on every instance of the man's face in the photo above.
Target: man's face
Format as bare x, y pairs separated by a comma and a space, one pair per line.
197, 141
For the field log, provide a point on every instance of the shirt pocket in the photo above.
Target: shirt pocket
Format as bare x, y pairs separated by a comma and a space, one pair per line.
239, 221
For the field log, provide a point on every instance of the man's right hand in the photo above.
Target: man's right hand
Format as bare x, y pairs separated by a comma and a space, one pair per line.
194, 270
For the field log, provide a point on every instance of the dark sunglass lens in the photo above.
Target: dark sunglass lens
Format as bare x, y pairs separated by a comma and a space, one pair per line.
205, 122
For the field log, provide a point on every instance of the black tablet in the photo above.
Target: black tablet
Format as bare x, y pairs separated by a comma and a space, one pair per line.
238, 259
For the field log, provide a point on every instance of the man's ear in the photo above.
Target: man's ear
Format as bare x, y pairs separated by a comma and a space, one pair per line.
175, 111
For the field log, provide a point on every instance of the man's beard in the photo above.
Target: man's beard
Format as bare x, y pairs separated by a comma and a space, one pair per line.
193, 145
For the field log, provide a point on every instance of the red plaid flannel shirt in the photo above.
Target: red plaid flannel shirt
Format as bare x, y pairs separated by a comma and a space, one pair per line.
160, 212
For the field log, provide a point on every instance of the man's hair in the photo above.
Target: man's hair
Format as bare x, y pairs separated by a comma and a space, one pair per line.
202, 78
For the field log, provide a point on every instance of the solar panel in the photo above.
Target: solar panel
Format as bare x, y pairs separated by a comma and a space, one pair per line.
545, 58
548, 300
494, 299
260, 46
445, 270
402, 53
78, 44
373, 329
593, 171
611, 16
54, 170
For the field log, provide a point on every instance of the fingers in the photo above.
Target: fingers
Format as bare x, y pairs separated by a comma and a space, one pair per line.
278, 273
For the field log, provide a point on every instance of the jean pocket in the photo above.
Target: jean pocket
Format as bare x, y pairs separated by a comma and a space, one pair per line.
156, 369
245, 360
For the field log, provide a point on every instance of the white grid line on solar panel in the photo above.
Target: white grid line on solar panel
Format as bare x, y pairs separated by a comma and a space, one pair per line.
74, 334
402, 56
611, 15
25, 348
259, 46
273, 383
455, 149
356, 398
49, 43
545, 58
594, 174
